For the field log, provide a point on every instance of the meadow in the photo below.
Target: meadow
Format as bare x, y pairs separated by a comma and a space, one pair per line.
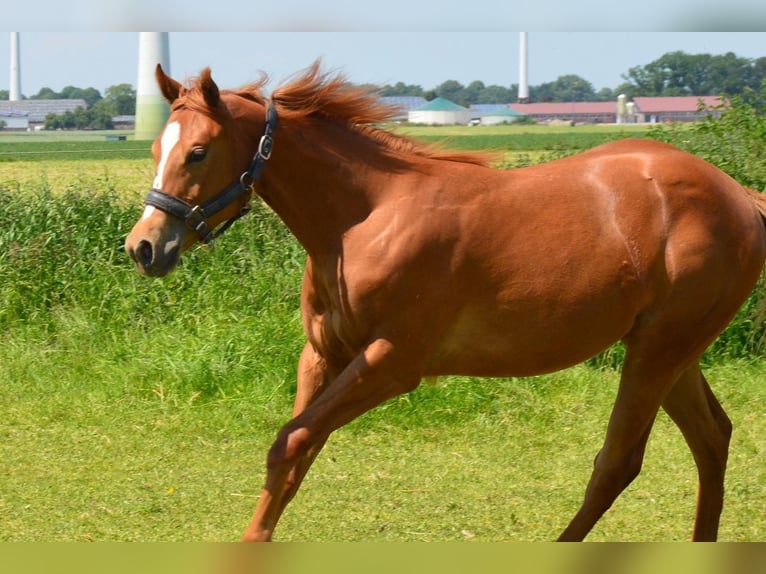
134, 409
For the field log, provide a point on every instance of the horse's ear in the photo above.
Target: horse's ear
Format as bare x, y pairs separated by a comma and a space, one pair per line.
168, 86
209, 88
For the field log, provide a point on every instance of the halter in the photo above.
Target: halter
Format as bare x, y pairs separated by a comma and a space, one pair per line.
195, 216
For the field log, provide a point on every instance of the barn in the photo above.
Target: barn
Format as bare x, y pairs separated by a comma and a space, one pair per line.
575, 112
500, 115
405, 104
440, 112
645, 110
661, 109
14, 120
37, 110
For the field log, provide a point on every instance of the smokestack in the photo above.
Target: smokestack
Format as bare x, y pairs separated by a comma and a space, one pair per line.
14, 94
523, 81
152, 110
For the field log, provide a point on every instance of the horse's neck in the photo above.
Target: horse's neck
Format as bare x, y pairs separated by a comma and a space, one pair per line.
317, 189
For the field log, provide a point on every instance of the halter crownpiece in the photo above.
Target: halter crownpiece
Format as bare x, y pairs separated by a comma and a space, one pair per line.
196, 216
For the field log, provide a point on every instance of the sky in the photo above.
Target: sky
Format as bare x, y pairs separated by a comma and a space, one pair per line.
101, 59
386, 15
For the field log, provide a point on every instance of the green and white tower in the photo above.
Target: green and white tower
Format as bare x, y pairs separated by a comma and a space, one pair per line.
152, 110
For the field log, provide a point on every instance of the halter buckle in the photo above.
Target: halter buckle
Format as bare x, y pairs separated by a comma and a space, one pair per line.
194, 218
265, 146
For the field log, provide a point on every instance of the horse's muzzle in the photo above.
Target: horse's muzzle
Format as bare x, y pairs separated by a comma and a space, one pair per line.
152, 259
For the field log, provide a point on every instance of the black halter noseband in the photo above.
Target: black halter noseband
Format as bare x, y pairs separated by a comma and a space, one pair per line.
196, 216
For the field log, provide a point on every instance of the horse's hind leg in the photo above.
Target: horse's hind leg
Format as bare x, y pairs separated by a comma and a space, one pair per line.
707, 430
639, 398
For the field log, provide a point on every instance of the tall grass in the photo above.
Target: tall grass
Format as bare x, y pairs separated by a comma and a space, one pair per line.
67, 285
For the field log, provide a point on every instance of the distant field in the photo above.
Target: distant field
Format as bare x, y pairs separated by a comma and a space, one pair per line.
523, 138
520, 138
509, 129
24, 155
78, 146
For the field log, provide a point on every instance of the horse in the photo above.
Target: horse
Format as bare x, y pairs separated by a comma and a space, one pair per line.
421, 262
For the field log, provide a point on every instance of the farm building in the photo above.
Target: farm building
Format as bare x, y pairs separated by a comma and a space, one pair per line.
497, 115
37, 110
577, 112
124, 122
440, 112
675, 109
646, 110
405, 104
14, 120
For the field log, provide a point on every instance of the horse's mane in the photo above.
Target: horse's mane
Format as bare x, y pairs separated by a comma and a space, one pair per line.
317, 94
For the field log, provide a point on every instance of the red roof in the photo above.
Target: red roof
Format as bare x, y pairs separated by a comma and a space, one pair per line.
644, 105
579, 108
648, 105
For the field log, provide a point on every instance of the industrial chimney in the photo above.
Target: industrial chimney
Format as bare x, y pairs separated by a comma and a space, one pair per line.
14, 94
523, 80
152, 110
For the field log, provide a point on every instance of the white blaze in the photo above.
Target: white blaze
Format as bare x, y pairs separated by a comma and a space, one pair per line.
148, 210
169, 139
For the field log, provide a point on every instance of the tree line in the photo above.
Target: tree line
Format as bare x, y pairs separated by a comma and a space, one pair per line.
117, 100
672, 74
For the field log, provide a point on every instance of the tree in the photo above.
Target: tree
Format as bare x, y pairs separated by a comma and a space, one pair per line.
95, 118
759, 69
567, 88
735, 141
607, 95
681, 74
472, 92
453, 91
495, 95
401, 89
90, 95
121, 99
46, 94
625, 88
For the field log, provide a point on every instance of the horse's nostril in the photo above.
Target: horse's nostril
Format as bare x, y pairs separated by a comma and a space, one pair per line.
145, 253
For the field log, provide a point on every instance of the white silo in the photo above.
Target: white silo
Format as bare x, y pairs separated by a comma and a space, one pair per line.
523, 80
622, 109
152, 110
14, 93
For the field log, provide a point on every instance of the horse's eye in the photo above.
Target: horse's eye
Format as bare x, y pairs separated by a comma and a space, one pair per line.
197, 154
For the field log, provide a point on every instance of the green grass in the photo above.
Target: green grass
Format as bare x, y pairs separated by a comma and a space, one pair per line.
33, 150
63, 136
99, 459
523, 138
138, 409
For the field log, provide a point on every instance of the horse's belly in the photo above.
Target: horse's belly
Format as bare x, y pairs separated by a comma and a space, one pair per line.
533, 336
516, 355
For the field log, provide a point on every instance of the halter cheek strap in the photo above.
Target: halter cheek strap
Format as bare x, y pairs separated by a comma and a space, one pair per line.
196, 216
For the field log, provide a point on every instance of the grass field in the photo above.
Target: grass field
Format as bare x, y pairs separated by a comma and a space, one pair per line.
142, 410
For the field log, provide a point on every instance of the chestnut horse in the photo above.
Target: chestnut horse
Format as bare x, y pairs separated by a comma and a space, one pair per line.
422, 263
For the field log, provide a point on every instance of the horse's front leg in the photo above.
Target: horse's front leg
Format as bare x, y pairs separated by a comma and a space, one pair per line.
375, 375
313, 377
